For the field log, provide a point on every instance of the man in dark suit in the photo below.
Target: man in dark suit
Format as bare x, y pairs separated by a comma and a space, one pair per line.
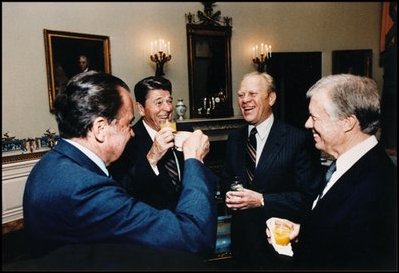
285, 179
70, 199
352, 224
142, 167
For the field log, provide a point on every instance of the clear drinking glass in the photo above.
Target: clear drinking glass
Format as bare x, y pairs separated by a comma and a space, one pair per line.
282, 233
168, 123
236, 185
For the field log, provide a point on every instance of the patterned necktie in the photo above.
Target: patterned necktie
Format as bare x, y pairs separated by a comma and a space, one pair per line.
171, 167
329, 173
250, 160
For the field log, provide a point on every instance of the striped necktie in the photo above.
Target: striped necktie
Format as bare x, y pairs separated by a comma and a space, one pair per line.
250, 160
171, 168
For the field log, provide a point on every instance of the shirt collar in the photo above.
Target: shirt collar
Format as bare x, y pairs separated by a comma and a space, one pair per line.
349, 158
150, 131
264, 127
95, 158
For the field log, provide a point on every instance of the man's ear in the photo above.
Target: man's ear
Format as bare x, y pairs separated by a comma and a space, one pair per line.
350, 122
140, 108
272, 98
99, 128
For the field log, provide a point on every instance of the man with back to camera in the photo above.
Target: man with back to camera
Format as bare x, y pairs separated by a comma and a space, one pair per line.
69, 197
353, 222
284, 178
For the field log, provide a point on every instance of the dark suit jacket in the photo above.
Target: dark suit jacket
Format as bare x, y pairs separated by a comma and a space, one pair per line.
134, 172
288, 176
354, 226
68, 199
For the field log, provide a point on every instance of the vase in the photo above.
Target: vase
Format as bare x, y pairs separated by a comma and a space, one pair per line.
180, 108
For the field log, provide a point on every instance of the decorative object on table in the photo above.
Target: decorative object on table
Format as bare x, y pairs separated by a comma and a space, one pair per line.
7, 136
261, 55
29, 145
50, 133
160, 54
213, 106
180, 108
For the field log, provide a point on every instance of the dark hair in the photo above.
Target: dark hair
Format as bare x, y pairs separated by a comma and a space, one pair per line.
150, 83
87, 96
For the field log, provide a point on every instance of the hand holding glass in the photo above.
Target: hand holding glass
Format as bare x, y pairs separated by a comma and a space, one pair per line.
281, 233
180, 137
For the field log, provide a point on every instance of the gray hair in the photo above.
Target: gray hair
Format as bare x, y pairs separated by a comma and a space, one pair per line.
268, 80
351, 95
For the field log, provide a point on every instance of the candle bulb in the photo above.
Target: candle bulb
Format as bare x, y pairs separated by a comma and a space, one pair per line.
261, 49
160, 54
253, 53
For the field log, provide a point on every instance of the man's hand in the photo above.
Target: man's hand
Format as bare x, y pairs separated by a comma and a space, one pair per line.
163, 141
273, 220
243, 199
196, 146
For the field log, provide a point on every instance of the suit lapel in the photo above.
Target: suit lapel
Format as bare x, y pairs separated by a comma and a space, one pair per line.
271, 149
240, 145
143, 138
344, 186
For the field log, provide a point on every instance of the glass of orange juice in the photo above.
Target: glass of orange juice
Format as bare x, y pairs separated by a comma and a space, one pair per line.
281, 233
168, 123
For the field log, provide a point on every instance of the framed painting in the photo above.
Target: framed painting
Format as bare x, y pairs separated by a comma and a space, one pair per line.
69, 53
357, 62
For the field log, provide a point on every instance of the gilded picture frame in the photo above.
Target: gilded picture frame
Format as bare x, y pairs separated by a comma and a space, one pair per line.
65, 52
357, 62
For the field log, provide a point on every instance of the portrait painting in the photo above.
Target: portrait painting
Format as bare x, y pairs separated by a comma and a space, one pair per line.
69, 53
356, 62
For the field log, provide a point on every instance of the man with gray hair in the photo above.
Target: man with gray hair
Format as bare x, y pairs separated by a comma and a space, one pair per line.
352, 224
278, 167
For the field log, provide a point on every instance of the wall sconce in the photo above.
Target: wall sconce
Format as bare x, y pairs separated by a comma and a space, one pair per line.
260, 55
160, 54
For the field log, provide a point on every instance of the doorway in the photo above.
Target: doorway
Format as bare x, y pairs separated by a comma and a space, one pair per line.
294, 73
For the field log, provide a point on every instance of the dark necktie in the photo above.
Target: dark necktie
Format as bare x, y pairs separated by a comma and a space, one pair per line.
329, 173
251, 156
171, 167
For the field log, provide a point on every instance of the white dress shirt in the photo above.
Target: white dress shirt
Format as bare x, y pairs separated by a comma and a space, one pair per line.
152, 134
261, 137
347, 160
95, 158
